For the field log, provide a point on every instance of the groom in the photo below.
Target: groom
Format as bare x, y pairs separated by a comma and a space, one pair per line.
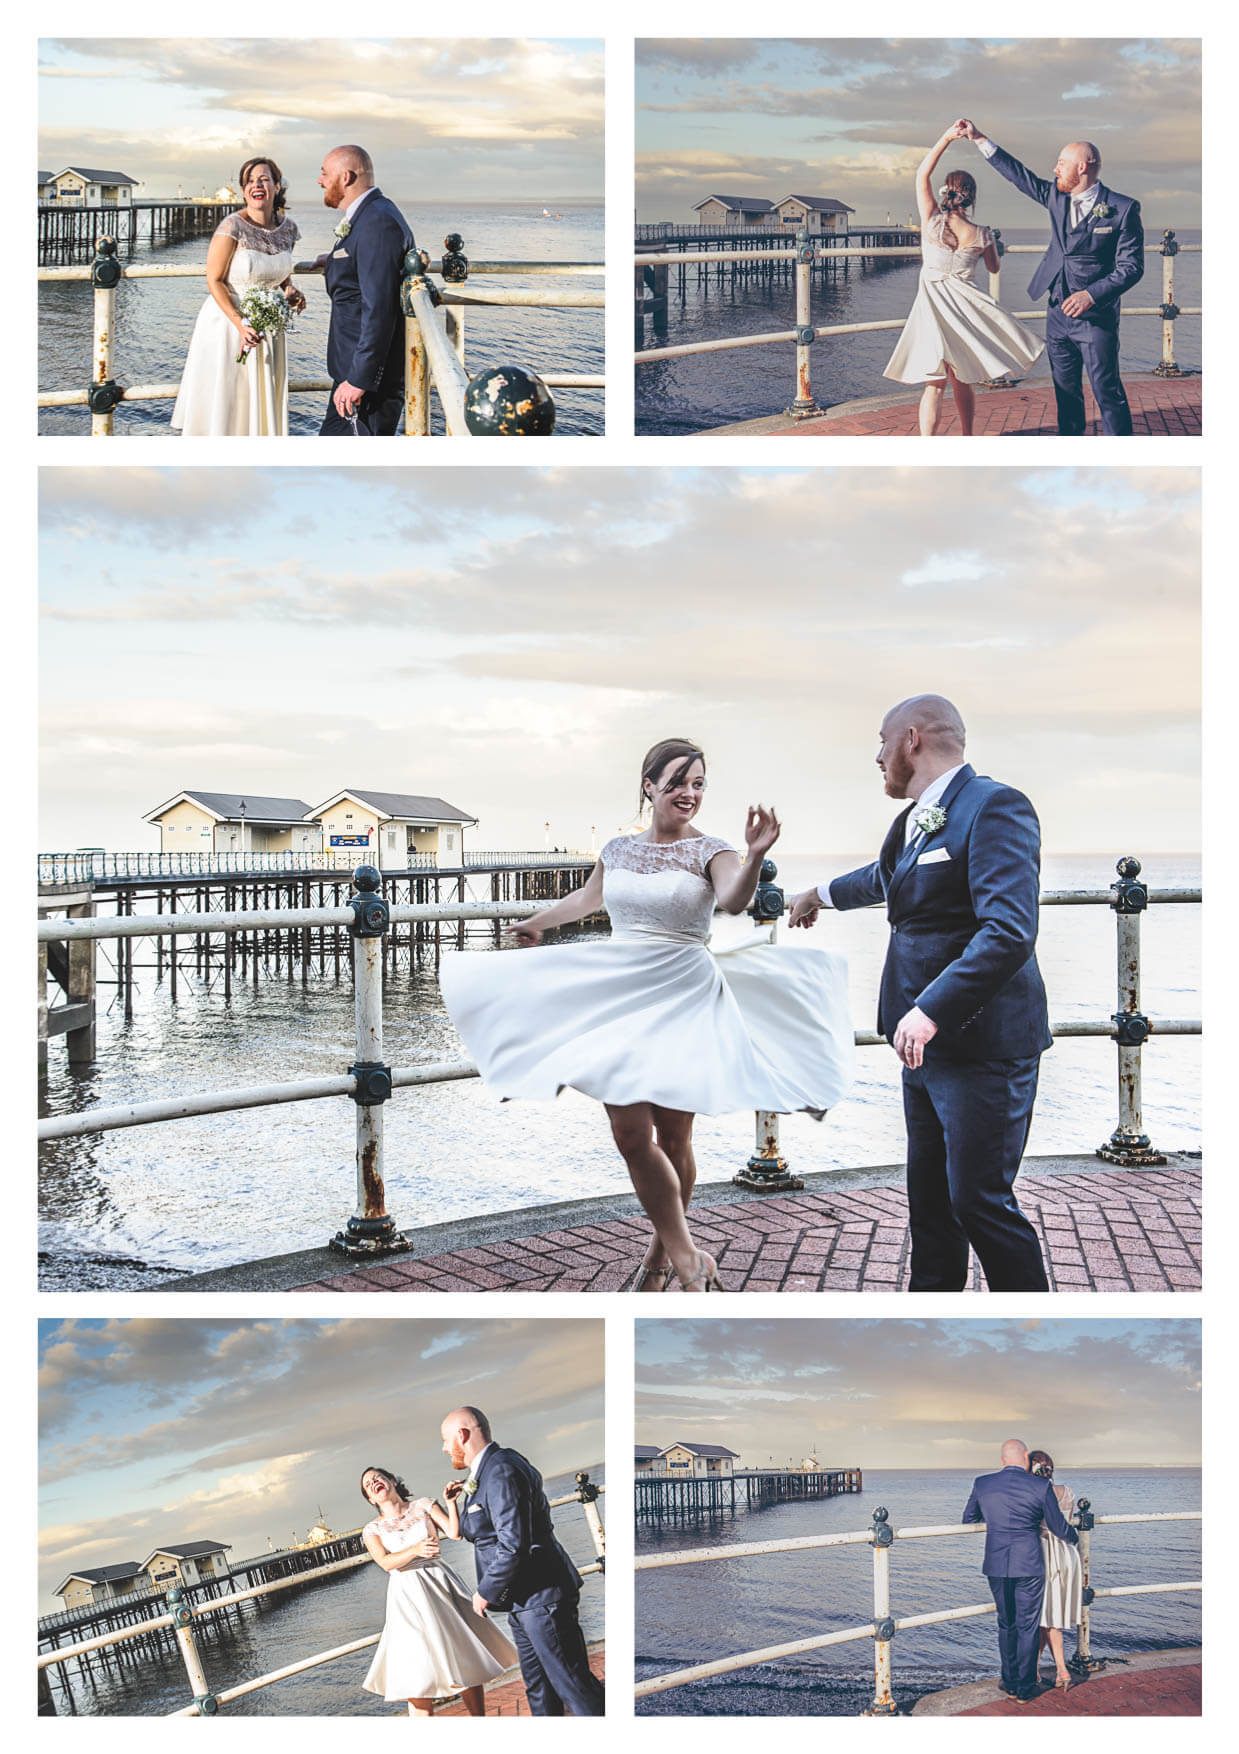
1095, 254
522, 1569
962, 1002
365, 343
1013, 1504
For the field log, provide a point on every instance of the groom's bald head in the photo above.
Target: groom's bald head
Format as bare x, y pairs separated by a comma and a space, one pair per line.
920, 738
1014, 1454
348, 171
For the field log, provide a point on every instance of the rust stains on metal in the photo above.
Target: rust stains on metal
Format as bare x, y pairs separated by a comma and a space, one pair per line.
372, 1180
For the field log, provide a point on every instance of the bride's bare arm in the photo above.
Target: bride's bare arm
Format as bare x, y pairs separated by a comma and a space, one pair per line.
577, 906
735, 880
448, 1520
220, 252
386, 1561
926, 203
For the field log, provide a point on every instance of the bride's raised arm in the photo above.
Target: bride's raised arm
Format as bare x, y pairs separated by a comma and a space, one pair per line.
926, 202
447, 1520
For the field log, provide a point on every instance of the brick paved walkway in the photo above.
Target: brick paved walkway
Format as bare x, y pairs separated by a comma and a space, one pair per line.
1101, 1229
1112, 1693
1159, 406
506, 1698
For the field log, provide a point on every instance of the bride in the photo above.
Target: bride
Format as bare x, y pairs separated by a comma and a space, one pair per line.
1063, 1603
220, 397
955, 332
433, 1643
649, 1021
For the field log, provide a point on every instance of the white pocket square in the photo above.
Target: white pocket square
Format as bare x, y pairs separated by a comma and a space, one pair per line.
337, 254
937, 857
1102, 231
473, 1510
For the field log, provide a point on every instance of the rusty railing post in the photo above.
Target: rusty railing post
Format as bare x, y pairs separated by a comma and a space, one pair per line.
587, 1492
104, 393
416, 381
766, 1170
1167, 368
371, 1230
883, 1625
1083, 1661
804, 407
183, 1621
1129, 1144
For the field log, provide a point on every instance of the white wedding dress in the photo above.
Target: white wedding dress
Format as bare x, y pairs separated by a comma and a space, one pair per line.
433, 1644
653, 1013
1063, 1602
952, 322
219, 398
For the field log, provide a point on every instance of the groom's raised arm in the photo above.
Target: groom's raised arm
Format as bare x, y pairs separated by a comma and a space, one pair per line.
1026, 181
379, 252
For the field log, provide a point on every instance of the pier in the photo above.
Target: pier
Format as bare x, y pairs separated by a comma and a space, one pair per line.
700, 1498
70, 233
880, 1632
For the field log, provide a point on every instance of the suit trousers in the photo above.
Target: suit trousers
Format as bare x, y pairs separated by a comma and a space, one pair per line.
1018, 1600
967, 1125
377, 417
555, 1663
1075, 345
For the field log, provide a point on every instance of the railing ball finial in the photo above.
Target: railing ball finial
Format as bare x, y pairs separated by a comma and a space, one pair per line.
371, 914
105, 269
588, 1490
455, 265
508, 402
1084, 1513
1170, 244
883, 1534
1129, 895
768, 899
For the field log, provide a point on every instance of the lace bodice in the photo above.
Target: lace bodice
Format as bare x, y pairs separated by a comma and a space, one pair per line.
664, 888
408, 1529
940, 259
263, 257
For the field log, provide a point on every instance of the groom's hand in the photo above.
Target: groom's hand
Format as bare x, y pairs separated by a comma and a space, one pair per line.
347, 399
480, 1604
805, 908
913, 1035
968, 130
1077, 304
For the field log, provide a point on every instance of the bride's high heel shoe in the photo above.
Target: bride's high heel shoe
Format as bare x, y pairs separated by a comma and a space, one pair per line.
707, 1269
644, 1273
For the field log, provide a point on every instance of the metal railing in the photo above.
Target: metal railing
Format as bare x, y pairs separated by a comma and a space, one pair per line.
181, 1616
500, 401
883, 1627
806, 333
99, 867
370, 1082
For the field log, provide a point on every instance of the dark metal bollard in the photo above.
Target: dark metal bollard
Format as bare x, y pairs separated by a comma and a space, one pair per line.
766, 1170
371, 1230
509, 402
455, 264
1129, 1144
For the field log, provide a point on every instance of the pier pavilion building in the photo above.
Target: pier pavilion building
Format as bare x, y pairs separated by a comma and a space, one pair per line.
229, 822
186, 1562
682, 1461
75, 187
391, 825
381, 827
819, 215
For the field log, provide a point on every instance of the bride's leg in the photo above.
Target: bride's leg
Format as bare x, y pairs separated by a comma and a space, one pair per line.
655, 1182
421, 1707
473, 1701
673, 1131
931, 406
965, 403
1061, 1671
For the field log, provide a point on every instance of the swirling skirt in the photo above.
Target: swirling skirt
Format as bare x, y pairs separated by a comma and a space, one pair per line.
953, 323
433, 1644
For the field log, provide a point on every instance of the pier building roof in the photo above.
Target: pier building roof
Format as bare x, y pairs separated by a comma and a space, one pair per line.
739, 203
399, 806
187, 1550
818, 203
97, 176
235, 806
93, 1574
645, 1452
701, 1449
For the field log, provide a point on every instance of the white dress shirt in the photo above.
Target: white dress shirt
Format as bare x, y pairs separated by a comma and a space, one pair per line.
933, 791
350, 212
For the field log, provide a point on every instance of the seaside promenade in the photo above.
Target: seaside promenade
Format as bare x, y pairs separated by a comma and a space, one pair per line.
1101, 1229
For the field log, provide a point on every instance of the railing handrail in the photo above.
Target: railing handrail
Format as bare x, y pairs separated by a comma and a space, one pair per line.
686, 258
197, 270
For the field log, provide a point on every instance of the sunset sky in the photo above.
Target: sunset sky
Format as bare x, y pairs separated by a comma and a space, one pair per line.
208, 1429
852, 117
444, 118
514, 640
924, 1394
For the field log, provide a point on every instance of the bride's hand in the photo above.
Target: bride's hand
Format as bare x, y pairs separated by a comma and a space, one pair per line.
526, 933
762, 829
296, 300
249, 337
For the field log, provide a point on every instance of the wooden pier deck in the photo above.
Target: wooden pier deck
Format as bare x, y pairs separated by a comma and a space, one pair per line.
1101, 1229
1160, 407
696, 1497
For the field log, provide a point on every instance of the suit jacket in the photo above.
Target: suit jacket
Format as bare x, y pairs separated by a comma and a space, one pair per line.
1103, 257
963, 907
519, 1562
365, 343
1013, 1504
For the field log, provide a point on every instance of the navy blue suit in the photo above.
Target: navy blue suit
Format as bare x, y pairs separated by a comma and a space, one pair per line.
525, 1573
365, 343
1013, 1504
963, 905
1103, 257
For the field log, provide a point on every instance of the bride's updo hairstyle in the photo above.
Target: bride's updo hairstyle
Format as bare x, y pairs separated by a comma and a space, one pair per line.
277, 177
670, 749
394, 1479
956, 195
1040, 1463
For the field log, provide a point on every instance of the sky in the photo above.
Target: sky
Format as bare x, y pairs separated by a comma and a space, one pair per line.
184, 1430
515, 640
924, 1394
852, 118
443, 118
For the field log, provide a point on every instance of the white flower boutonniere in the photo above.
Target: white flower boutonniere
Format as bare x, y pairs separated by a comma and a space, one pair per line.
929, 820
343, 229
1101, 211
470, 1486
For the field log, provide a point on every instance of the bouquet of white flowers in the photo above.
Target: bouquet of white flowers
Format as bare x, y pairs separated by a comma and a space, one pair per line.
265, 309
